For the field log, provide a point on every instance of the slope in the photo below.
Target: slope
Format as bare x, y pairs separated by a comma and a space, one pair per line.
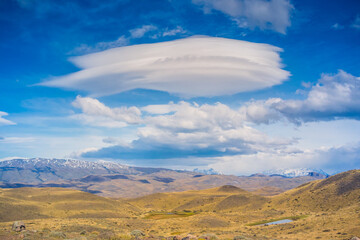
33, 203
331, 194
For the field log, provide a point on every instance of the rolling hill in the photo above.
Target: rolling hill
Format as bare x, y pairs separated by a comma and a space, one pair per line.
322, 209
37, 203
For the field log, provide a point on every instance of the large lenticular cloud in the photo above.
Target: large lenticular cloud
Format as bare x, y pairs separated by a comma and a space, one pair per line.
191, 67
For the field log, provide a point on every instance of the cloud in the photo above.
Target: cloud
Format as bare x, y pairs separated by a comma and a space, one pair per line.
173, 32
16, 140
191, 67
96, 113
186, 130
334, 96
264, 14
332, 160
140, 32
4, 121
100, 46
356, 23
337, 26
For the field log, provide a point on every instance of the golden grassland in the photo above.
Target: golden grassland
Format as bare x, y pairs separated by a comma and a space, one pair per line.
324, 209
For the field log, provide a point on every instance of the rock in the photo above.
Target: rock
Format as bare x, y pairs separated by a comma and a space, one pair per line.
189, 237
18, 226
240, 237
137, 234
209, 236
57, 235
354, 238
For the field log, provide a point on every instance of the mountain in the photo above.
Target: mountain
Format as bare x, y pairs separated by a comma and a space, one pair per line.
39, 170
297, 172
111, 179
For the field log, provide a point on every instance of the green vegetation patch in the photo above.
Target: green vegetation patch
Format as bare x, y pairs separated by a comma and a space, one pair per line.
294, 218
166, 215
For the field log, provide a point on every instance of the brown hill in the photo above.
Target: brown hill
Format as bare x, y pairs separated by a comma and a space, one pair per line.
214, 199
34, 203
336, 192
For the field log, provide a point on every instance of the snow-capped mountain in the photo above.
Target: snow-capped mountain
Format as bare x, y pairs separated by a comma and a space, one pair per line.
209, 171
297, 172
35, 170
70, 163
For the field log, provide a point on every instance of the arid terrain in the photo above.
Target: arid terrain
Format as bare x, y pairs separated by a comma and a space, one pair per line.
321, 209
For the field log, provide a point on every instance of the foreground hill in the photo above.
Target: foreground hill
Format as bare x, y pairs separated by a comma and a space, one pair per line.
323, 209
34, 203
111, 179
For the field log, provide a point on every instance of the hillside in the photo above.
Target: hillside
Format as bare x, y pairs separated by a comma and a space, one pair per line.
34, 203
214, 199
331, 194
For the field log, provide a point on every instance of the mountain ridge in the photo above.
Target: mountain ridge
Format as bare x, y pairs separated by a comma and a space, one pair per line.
113, 179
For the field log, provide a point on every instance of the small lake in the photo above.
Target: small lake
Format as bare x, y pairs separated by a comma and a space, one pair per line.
277, 222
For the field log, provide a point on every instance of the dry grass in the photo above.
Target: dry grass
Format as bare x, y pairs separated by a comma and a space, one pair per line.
331, 213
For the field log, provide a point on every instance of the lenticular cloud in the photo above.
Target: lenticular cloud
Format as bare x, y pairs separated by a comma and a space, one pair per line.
191, 67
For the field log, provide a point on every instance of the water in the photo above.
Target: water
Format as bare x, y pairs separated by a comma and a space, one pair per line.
277, 222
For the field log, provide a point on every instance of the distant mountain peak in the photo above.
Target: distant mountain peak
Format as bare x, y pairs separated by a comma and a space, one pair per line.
296, 172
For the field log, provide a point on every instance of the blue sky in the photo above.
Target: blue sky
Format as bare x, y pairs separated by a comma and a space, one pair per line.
241, 86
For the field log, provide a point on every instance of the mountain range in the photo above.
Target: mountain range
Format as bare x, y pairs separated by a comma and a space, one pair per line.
112, 179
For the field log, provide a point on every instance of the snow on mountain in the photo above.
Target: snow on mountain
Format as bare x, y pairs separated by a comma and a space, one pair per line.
69, 163
296, 172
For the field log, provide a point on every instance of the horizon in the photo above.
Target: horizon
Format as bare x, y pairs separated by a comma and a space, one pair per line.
183, 84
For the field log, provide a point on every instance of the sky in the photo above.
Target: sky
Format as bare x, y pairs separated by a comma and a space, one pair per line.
236, 85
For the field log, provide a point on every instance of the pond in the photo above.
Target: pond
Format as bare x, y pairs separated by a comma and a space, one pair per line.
277, 222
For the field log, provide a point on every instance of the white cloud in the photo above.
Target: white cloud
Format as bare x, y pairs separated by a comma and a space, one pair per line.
331, 159
337, 26
96, 113
16, 140
356, 23
173, 32
197, 66
264, 14
182, 130
4, 121
140, 32
100, 46
334, 96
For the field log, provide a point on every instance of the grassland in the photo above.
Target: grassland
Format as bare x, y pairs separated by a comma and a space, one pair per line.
324, 209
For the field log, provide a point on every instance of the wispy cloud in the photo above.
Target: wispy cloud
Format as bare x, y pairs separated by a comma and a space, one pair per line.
337, 26
140, 32
273, 14
100, 46
4, 121
197, 66
170, 32
356, 23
